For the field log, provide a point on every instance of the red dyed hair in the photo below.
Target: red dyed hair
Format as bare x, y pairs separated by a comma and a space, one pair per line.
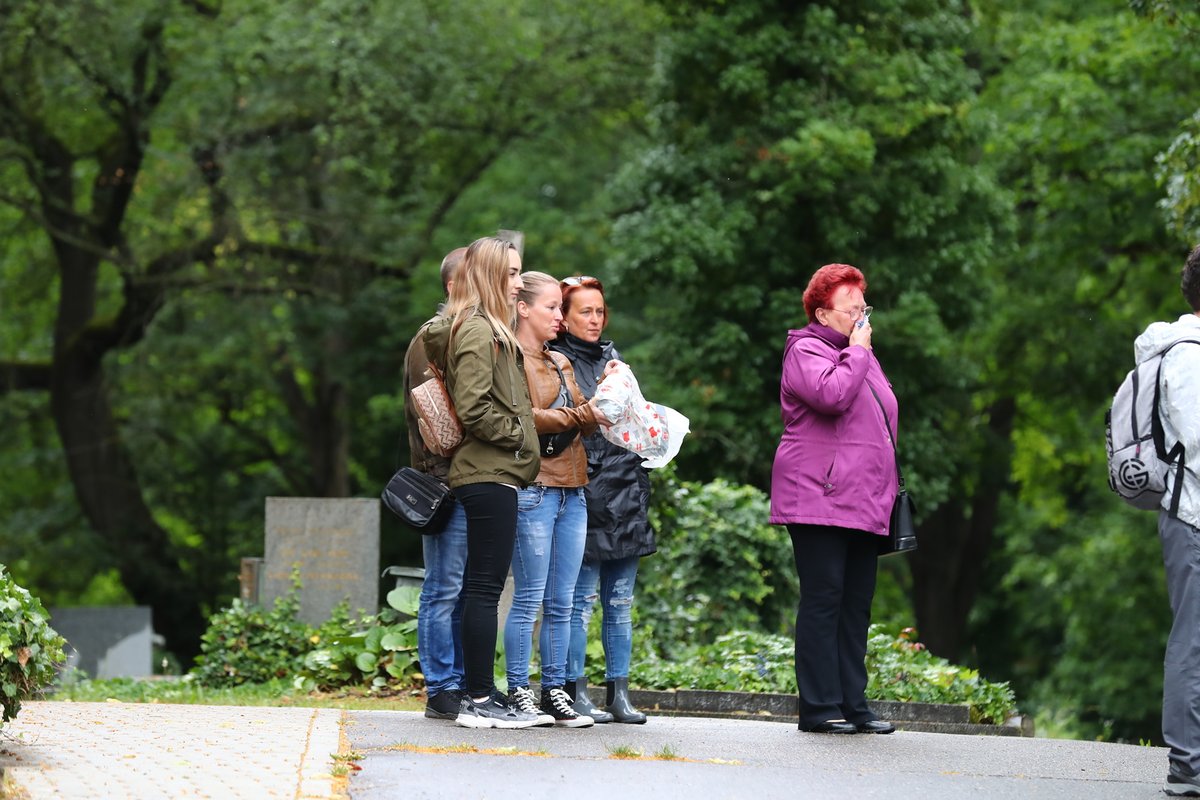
570, 285
827, 280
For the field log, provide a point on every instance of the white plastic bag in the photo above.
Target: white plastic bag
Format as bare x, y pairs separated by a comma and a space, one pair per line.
652, 430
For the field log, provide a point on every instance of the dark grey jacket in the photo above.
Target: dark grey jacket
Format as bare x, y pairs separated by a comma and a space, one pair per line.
618, 490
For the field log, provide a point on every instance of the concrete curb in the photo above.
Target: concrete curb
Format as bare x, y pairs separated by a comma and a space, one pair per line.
925, 717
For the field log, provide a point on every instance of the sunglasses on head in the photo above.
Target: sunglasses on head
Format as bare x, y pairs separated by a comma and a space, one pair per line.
586, 281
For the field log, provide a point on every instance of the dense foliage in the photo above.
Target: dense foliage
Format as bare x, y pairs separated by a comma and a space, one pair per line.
246, 643
30, 650
221, 222
379, 652
898, 668
721, 567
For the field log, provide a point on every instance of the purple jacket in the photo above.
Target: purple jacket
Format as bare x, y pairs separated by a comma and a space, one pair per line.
835, 464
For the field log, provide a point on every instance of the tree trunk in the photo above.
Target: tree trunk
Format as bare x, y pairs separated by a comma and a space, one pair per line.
101, 469
110, 496
954, 542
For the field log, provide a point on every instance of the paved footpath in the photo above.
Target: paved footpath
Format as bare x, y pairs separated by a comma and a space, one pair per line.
132, 751
151, 751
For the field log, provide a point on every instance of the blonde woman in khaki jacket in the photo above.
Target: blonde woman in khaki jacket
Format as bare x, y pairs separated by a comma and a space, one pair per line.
551, 513
477, 350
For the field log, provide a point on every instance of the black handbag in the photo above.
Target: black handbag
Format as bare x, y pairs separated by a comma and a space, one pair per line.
419, 499
902, 532
554, 444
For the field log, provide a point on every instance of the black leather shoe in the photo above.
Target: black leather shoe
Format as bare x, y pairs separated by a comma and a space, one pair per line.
832, 727
875, 726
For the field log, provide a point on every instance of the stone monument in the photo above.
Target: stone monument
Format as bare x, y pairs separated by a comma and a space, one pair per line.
107, 641
334, 543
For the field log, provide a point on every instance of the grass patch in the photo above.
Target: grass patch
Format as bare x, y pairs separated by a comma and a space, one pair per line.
667, 753
626, 751
274, 693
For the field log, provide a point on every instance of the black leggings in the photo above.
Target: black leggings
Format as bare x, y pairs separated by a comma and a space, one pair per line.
491, 531
836, 567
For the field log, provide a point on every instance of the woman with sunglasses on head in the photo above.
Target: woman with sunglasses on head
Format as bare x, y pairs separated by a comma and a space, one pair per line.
475, 347
833, 484
551, 513
618, 530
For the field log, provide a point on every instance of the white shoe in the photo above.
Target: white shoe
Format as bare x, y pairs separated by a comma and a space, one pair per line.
558, 703
493, 713
522, 698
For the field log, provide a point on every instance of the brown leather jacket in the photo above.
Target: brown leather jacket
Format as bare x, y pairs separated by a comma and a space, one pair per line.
568, 470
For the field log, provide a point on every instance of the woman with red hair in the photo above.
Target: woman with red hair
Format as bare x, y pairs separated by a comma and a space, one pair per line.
618, 529
833, 484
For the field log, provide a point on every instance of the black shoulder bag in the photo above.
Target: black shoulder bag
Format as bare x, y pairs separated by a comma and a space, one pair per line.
902, 533
419, 499
553, 444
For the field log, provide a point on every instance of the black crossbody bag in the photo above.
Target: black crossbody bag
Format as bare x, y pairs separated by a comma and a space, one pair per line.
902, 532
553, 444
419, 499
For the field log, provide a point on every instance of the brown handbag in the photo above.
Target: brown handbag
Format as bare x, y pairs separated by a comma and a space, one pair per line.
439, 426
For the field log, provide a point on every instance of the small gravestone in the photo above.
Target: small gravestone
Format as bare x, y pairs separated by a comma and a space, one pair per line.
335, 545
107, 641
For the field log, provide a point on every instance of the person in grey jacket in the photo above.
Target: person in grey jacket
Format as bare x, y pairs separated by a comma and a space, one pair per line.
439, 612
1179, 407
619, 532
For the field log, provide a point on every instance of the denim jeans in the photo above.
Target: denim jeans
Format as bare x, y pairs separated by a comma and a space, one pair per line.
551, 533
617, 580
439, 615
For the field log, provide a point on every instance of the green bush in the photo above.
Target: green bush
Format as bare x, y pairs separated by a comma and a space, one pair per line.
30, 650
720, 565
245, 644
378, 652
898, 668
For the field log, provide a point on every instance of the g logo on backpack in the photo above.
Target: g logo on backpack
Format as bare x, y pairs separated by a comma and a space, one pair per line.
1134, 475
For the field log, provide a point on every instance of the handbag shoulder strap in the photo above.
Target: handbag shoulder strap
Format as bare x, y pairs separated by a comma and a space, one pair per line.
891, 434
564, 391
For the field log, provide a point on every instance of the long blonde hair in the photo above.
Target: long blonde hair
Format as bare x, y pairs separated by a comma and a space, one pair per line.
481, 287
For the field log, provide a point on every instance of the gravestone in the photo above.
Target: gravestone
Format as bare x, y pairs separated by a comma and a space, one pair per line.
107, 641
335, 544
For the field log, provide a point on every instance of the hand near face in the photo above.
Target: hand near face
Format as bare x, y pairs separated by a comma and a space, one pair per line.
861, 335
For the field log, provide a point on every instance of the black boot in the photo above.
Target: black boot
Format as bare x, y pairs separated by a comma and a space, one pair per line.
617, 703
581, 701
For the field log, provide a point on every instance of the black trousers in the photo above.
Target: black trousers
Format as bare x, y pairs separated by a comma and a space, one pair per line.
491, 510
836, 567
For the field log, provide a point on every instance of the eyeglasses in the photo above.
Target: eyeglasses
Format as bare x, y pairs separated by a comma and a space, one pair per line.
863, 312
582, 282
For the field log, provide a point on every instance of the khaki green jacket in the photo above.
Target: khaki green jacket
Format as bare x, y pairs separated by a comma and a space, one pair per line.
487, 384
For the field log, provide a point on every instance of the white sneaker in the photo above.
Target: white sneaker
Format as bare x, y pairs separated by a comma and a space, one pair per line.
522, 698
557, 702
493, 713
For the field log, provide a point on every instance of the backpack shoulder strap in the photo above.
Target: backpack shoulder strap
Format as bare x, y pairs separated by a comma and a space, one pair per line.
1176, 453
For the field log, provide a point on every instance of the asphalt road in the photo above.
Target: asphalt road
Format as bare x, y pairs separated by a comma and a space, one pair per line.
405, 755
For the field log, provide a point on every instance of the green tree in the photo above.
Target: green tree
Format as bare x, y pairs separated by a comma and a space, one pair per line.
789, 136
217, 209
1080, 99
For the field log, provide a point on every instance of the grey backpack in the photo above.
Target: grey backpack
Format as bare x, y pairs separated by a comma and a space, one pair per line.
1138, 458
